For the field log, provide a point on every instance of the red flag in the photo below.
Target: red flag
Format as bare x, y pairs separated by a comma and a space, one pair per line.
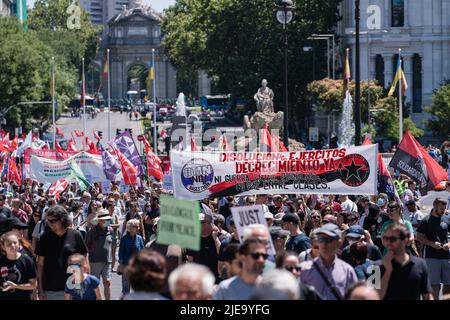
59, 132
13, 173
13, 144
271, 143
194, 146
92, 146
58, 147
129, 171
57, 187
163, 134
153, 161
367, 141
412, 160
71, 146
223, 143
96, 136
79, 133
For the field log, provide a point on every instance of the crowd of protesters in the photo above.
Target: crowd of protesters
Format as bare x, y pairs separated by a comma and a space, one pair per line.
327, 247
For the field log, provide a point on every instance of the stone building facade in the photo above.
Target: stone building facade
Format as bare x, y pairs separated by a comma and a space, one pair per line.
421, 28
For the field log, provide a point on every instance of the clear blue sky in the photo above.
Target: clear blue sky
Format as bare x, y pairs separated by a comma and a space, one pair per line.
158, 5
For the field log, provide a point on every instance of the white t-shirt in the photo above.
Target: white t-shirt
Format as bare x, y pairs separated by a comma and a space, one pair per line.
413, 217
349, 205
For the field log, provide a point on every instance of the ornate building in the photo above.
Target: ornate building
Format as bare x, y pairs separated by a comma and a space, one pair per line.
420, 28
132, 34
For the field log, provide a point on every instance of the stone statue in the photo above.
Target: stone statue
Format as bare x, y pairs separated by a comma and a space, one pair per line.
264, 98
265, 113
181, 106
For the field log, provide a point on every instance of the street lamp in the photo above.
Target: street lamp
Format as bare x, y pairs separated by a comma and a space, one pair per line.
357, 77
284, 16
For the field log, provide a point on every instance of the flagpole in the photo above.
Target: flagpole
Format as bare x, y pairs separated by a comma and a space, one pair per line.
155, 145
83, 92
53, 103
400, 96
109, 97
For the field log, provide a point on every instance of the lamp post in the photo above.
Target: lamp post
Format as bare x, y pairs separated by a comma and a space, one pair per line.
357, 77
284, 16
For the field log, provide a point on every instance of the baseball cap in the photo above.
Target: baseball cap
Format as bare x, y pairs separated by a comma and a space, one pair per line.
278, 232
330, 229
355, 231
290, 217
279, 216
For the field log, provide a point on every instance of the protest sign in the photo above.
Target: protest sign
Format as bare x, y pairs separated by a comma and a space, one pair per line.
106, 186
199, 175
179, 223
245, 216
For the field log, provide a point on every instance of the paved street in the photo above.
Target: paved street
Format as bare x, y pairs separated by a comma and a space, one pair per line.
100, 123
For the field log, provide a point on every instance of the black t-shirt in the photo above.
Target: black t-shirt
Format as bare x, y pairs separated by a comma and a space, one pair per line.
373, 254
407, 282
435, 229
207, 255
56, 250
298, 243
20, 271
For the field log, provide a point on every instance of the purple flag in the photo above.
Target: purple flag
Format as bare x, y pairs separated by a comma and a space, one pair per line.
111, 166
125, 143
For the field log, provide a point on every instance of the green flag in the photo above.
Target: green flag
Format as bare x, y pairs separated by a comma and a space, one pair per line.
78, 175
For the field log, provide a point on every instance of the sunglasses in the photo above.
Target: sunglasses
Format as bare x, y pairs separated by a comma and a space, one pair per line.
257, 255
325, 239
315, 217
290, 269
52, 221
391, 239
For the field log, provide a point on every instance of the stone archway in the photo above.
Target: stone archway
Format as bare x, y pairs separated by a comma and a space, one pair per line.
132, 36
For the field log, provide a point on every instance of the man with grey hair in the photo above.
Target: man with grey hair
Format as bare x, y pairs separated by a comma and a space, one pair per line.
281, 281
261, 232
191, 281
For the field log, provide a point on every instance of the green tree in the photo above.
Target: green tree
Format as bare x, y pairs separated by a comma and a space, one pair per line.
440, 110
327, 94
49, 18
238, 43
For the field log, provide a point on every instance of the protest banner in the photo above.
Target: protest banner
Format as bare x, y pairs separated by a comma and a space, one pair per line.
199, 175
167, 182
46, 170
245, 216
179, 223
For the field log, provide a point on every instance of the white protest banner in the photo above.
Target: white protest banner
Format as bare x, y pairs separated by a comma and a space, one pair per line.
49, 171
199, 175
245, 216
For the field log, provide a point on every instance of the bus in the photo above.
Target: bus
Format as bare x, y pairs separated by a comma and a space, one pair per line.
216, 102
76, 103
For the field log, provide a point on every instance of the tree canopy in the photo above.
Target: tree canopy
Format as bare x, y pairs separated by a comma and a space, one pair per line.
440, 111
238, 43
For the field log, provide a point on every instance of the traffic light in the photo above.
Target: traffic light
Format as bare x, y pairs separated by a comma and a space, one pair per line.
100, 134
118, 131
